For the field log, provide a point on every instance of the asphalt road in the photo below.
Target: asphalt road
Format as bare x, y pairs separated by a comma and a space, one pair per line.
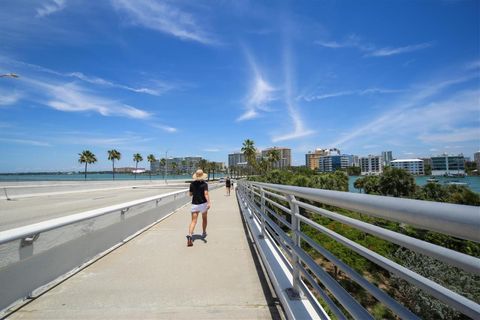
34, 202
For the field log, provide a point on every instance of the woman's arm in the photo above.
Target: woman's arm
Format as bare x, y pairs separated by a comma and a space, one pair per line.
208, 198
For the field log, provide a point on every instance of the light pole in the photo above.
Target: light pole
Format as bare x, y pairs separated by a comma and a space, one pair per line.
9, 75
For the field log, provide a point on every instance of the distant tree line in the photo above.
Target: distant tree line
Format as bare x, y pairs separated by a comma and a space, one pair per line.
87, 157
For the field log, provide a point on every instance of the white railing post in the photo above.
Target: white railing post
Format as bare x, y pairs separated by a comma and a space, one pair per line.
262, 214
297, 291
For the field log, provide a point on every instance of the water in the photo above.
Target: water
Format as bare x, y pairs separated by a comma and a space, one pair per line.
473, 182
93, 177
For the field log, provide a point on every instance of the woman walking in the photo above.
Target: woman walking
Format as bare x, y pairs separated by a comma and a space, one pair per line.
200, 203
227, 185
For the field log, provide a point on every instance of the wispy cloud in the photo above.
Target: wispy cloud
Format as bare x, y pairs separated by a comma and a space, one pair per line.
25, 141
7, 98
299, 128
370, 50
211, 150
473, 65
160, 88
456, 135
166, 18
165, 128
50, 7
349, 92
425, 114
385, 52
70, 97
260, 95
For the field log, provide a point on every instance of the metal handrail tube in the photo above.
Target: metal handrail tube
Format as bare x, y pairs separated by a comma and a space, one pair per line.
457, 301
28, 230
383, 297
307, 293
279, 206
280, 218
453, 219
452, 257
331, 304
256, 193
276, 195
343, 297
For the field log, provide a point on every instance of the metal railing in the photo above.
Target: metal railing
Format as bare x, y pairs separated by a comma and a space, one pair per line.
35, 256
280, 211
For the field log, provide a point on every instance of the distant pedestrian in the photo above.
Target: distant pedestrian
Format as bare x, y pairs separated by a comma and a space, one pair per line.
227, 185
200, 203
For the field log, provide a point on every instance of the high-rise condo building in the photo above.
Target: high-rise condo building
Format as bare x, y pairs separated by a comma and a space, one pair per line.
237, 159
413, 166
334, 162
285, 156
448, 165
312, 158
476, 158
387, 157
371, 165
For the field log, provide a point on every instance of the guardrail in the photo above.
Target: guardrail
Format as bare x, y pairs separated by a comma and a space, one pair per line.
280, 212
33, 257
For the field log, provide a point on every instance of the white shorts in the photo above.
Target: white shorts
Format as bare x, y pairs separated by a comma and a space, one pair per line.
202, 207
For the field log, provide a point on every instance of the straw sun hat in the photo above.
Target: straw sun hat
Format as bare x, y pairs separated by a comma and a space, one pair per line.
199, 175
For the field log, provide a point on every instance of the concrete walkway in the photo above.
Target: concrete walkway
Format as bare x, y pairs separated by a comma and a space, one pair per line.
156, 276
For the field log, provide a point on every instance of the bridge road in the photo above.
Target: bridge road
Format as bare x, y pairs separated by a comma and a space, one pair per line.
156, 276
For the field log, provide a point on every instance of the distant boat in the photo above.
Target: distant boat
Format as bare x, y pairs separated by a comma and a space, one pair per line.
432, 180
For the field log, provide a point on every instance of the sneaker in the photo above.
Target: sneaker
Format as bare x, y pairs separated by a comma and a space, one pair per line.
189, 241
204, 235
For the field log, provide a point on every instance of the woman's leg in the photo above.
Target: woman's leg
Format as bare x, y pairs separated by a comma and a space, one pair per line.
204, 222
193, 223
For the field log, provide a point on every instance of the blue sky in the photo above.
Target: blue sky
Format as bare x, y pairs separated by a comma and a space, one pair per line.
197, 78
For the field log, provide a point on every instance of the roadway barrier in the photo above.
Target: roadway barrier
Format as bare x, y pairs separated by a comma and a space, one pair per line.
280, 213
35, 257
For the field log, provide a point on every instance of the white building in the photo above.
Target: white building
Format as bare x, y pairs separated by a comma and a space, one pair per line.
448, 165
371, 165
413, 166
237, 159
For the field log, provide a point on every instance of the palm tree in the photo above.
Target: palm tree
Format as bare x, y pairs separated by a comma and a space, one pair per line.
211, 167
203, 164
163, 163
184, 165
137, 158
87, 157
174, 167
273, 156
249, 150
151, 159
114, 155
263, 166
